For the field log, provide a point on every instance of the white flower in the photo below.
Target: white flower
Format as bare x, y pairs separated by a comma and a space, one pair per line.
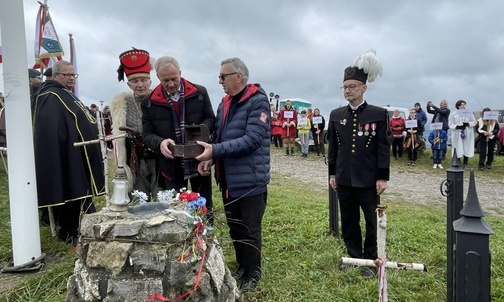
165, 196
142, 197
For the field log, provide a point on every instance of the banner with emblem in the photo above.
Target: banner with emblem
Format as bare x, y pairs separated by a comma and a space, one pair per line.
48, 48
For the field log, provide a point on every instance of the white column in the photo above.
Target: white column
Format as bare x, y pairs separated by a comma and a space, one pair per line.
22, 183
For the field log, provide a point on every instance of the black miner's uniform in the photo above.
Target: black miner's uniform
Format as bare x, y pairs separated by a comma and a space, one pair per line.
359, 155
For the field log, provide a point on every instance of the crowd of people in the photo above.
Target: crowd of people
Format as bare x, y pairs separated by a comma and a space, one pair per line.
287, 125
460, 127
244, 127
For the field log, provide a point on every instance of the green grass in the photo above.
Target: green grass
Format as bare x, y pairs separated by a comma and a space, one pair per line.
300, 258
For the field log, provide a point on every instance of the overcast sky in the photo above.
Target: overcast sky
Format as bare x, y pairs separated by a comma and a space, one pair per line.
429, 50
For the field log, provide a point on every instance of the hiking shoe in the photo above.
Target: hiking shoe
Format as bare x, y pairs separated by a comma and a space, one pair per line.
440, 166
435, 166
489, 166
249, 285
368, 272
238, 274
413, 164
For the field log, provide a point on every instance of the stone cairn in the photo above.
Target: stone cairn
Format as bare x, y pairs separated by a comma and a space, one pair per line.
163, 254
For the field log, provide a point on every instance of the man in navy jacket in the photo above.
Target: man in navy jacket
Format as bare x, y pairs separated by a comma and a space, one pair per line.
241, 151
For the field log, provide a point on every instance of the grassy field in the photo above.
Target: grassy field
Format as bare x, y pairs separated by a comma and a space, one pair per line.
300, 258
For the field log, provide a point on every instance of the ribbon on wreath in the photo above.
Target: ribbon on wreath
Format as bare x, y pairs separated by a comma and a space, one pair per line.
198, 231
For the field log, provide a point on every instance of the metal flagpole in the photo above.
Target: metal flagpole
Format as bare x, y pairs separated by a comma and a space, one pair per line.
24, 219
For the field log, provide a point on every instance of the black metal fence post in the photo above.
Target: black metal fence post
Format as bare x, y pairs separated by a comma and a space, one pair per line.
455, 199
472, 251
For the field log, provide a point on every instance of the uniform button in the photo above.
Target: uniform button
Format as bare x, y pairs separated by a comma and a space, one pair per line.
353, 146
355, 125
354, 130
353, 151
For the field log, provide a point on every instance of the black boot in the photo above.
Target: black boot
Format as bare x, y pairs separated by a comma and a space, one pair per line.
292, 151
287, 151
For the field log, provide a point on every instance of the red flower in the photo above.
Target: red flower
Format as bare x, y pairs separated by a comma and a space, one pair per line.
184, 196
204, 210
188, 197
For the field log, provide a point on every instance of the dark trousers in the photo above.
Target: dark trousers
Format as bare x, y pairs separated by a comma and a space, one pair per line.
318, 141
351, 200
437, 154
200, 184
484, 148
277, 139
412, 154
244, 218
68, 216
397, 146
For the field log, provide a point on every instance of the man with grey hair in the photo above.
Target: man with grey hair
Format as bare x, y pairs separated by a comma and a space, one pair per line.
172, 105
241, 153
76, 173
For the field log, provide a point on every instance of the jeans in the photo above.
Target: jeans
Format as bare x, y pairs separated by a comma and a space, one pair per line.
304, 139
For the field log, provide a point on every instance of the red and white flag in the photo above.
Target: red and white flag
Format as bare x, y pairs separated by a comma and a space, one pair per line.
48, 48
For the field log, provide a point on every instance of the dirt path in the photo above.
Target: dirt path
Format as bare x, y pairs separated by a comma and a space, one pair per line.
407, 183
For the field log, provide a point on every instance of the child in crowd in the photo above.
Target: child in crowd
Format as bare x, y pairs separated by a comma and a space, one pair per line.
276, 131
438, 139
411, 143
304, 127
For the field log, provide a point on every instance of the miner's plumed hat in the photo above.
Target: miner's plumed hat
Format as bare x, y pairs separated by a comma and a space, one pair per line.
135, 63
365, 68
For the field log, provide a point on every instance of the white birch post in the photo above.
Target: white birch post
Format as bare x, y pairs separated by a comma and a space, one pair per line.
382, 256
103, 147
381, 263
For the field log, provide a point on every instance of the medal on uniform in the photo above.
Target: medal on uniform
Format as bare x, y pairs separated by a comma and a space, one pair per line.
373, 126
366, 128
360, 131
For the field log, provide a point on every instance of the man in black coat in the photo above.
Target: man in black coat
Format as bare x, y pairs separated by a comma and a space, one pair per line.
67, 176
359, 163
174, 104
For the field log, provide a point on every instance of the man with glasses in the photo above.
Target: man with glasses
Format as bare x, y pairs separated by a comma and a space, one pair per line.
241, 151
172, 105
131, 153
67, 176
359, 158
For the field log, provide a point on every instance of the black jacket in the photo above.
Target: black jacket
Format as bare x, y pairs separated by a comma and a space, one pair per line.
158, 123
357, 159
64, 172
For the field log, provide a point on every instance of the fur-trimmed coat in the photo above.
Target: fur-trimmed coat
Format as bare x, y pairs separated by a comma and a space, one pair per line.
124, 112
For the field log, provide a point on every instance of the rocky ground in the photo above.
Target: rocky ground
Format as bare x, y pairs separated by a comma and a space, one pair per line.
412, 184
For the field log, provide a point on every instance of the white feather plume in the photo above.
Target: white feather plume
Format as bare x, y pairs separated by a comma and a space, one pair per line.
370, 64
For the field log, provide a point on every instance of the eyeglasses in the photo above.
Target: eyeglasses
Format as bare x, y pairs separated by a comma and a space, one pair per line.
350, 87
69, 75
223, 76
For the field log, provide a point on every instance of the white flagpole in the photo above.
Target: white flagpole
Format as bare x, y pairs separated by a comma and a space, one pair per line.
22, 182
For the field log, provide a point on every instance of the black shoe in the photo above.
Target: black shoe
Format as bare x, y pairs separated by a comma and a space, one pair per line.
238, 275
481, 168
368, 272
465, 166
489, 166
249, 285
